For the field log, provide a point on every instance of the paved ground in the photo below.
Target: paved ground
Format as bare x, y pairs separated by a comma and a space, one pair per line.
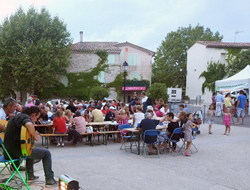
222, 163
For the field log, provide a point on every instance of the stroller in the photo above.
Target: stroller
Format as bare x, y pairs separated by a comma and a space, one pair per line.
197, 119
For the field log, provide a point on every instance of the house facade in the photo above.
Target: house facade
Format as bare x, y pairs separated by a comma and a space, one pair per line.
198, 57
138, 58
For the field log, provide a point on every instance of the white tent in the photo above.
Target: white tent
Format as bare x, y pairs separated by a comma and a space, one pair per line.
238, 81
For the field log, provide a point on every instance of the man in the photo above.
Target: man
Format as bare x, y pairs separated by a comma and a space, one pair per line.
241, 105
36, 100
71, 106
7, 112
219, 103
44, 114
13, 145
96, 114
110, 116
144, 99
149, 124
183, 108
133, 105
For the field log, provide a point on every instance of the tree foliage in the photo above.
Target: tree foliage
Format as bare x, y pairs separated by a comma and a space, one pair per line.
214, 72
171, 59
34, 51
98, 93
158, 90
237, 60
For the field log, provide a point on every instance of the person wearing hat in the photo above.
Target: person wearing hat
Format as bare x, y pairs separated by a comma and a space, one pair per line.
151, 109
110, 116
96, 114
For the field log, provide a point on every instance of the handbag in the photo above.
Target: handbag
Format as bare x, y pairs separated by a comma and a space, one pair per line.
89, 129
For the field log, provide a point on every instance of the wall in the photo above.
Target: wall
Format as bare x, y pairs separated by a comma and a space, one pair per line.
198, 56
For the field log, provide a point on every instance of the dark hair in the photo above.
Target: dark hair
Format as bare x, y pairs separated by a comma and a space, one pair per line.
189, 114
78, 113
149, 102
9, 101
31, 110
171, 114
241, 92
181, 105
227, 94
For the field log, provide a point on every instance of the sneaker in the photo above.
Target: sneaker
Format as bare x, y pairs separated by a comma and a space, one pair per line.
62, 144
51, 182
187, 154
58, 144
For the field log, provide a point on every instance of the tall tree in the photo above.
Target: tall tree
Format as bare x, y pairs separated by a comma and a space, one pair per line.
34, 51
237, 62
171, 59
214, 72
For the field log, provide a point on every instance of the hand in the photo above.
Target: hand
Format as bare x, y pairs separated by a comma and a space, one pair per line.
37, 138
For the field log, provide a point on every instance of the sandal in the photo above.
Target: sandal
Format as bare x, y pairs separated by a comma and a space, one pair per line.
187, 154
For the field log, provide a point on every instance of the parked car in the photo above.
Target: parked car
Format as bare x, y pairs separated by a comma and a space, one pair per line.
56, 100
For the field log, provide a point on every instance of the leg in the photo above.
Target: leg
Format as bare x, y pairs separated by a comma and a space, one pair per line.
242, 120
209, 129
228, 129
45, 155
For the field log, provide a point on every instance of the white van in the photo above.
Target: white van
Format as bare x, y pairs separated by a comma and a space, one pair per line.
235, 93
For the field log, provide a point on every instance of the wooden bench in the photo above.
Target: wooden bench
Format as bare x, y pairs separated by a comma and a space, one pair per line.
104, 133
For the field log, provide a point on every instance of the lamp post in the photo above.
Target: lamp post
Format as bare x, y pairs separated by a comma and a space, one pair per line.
125, 68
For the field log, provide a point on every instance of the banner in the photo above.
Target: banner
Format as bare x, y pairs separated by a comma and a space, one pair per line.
131, 88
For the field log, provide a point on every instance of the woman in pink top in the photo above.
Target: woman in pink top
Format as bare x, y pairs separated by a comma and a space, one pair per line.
80, 123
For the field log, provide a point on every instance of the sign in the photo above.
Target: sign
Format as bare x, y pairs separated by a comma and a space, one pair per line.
230, 86
134, 88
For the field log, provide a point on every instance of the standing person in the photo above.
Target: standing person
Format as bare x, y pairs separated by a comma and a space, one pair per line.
227, 121
7, 112
134, 97
219, 104
29, 103
13, 145
241, 105
59, 127
213, 99
133, 105
144, 99
36, 100
228, 101
210, 114
188, 133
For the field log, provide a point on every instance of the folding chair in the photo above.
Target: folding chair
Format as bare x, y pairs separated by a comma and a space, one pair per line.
10, 161
171, 140
151, 133
126, 137
193, 138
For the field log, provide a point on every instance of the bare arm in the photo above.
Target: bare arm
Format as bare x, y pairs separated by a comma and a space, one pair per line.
32, 130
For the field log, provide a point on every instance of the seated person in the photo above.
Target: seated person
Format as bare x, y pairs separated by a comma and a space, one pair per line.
105, 110
171, 127
44, 114
96, 114
110, 116
138, 116
182, 108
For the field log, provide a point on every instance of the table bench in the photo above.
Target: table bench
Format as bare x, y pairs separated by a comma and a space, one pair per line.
104, 133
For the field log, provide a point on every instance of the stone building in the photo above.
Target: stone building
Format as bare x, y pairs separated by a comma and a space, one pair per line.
138, 58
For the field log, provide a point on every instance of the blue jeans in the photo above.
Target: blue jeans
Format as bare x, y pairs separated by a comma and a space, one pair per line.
56, 138
45, 156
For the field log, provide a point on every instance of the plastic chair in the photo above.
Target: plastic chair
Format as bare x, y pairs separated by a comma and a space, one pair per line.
151, 133
171, 140
7, 163
125, 137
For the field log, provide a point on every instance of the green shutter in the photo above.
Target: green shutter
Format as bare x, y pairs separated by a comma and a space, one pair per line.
111, 59
132, 59
101, 77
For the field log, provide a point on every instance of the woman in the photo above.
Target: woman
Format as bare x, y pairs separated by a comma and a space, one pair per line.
87, 116
105, 110
165, 109
138, 116
121, 119
228, 101
127, 111
59, 127
68, 116
80, 128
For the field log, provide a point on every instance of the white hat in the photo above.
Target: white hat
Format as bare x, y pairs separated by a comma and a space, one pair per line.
112, 108
150, 108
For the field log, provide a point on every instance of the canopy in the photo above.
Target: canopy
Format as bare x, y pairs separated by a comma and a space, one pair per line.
239, 81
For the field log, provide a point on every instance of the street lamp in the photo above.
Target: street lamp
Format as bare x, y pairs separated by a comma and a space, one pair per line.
125, 68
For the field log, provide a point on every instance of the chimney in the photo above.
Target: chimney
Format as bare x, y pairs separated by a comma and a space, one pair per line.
81, 36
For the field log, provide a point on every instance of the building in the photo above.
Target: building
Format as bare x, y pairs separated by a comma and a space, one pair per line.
198, 57
138, 58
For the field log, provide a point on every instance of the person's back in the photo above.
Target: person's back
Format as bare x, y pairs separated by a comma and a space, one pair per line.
80, 124
138, 118
242, 98
97, 115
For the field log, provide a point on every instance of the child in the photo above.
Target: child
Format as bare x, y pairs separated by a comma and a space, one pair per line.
210, 114
227, 121
188, 133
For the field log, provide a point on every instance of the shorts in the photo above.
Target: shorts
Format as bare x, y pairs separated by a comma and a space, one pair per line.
162, 138
241, 112
210, 122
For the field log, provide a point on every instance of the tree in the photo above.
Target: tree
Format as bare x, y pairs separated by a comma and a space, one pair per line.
237, 61
34, 51
156, 91
214, 72
98, 93
171, 59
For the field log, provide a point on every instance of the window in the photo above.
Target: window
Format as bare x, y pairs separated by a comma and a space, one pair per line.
223, 58
111, 59
135, 75
101, 77
173, 91
132, 59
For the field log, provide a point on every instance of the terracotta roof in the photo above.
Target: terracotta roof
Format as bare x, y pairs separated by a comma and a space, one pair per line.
110, 47
211, 44
95, 46
135, 46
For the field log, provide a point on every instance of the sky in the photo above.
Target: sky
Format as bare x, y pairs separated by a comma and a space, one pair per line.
142, 22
